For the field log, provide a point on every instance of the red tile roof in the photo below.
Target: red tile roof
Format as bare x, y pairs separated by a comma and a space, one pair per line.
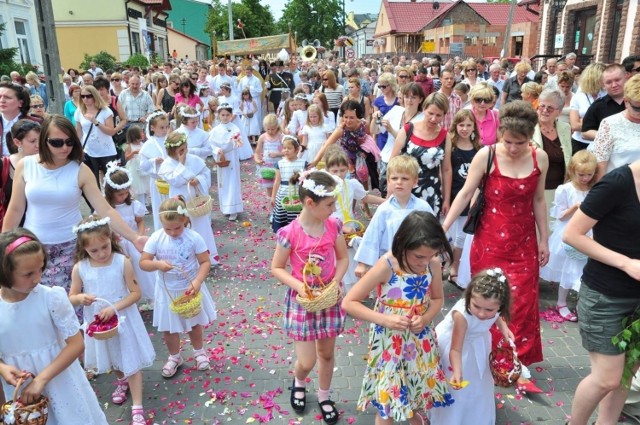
411, 17
498, 13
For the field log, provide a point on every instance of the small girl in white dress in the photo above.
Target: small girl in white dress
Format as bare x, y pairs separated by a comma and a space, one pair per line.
117, 184
249, 119
197, 138
313, 134
188, 175
103, 280
180, 259
40, 335
152, 155
269, 150
139, 179
464, 341
563, 268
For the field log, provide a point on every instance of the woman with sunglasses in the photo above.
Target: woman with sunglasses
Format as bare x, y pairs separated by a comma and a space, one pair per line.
471, 73
117, 84
488, 119
48, 187
334, 91
37, 107
94, 124
382, 104
15, 104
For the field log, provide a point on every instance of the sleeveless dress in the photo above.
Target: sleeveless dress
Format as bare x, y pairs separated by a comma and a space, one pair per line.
403, 369
139, 182
474, 403
429, 154
269, 146
131, 349
506, 238
280, 216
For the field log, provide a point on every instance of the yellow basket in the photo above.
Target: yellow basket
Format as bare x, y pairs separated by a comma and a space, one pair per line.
357, 225
199, 205
328, 297
187, 305
163, 187
16, 413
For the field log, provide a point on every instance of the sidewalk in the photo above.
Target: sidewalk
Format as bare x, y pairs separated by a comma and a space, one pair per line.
252, 357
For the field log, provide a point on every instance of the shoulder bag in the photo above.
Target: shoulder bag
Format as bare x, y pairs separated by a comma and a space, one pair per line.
475, 211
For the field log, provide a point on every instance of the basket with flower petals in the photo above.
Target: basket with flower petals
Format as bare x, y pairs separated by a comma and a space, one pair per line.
16, 413
200, 204
187, 305
104, 329
504, 364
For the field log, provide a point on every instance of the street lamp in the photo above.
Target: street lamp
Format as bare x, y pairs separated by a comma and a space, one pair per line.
213, 46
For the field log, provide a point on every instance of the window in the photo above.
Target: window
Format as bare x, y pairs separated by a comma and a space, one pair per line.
23, 41
161, 48
613, 47
135, 42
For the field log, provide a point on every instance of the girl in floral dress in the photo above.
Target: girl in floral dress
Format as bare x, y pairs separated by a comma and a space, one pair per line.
403, 373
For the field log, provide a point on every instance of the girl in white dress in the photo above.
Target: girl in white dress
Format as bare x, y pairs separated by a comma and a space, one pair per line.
299, 117
188, 175
313, 134
139, 180
464, 342
152, 155
250, 123
180, 259
117, 185
269, 150
103, 280
563, 268
40, 334
226, 141
197, 138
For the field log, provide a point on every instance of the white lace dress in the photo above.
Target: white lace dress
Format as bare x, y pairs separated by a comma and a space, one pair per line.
131, 349
32, 335
617, 141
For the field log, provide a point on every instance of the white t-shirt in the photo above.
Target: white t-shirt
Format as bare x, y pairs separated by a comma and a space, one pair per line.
99, 143
580, 102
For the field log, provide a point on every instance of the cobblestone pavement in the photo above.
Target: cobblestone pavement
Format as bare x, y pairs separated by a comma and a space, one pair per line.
252, 357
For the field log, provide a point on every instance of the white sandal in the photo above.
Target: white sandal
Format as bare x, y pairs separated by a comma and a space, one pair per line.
202, 362
170, 368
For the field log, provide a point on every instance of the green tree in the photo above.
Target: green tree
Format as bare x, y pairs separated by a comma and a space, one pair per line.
102, 59
6, 57
257, 19
313, 19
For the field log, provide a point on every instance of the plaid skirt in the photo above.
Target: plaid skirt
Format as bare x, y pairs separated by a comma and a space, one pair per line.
302, 325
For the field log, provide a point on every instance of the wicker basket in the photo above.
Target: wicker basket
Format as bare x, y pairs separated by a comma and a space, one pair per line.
103, 336
200, 204
33, 414
222, 164
187, 305
573, 253
359, 227
329, 294
163, 187
504, 364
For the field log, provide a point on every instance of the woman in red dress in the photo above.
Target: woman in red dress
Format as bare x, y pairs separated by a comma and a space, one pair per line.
506, 235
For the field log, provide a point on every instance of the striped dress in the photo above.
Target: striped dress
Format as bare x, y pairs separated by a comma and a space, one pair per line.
280, 217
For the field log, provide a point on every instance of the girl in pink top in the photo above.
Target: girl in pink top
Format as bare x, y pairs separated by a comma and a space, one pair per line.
187, 95
315, 247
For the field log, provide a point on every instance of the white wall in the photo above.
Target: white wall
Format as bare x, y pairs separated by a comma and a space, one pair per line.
25, 13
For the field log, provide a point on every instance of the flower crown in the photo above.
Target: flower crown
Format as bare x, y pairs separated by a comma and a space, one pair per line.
155, 114
179, 142
90, 225
112, 167
179, 210
320, 189
188, 115
224, 106
300, 97
498, 273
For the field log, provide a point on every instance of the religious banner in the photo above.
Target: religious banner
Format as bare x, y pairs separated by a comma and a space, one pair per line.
253, 45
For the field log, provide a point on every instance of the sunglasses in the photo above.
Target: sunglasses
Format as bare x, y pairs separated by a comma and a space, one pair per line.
547, 108
37, 106
472, 69
483, 100
58, 143
382, 87
117, 80
325, 79
636, 69
403, 76
86, 96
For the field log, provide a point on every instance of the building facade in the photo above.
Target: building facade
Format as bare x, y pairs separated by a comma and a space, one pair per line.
189, 17
21, 31
187, 47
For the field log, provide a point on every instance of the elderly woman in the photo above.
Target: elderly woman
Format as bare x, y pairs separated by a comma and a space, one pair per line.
565, 85
589, 90
488, 120
506, 237
425, 141
50, 185
511, 89
616, 143
393, 121
383, 104
334, 91
610, 292
554, 137
37, 88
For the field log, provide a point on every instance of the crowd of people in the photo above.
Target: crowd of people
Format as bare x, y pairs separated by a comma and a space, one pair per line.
551, 152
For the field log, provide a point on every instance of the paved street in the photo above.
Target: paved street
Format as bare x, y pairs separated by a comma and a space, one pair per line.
252, 357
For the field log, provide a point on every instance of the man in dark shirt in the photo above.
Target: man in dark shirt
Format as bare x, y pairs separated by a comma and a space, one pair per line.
613, 79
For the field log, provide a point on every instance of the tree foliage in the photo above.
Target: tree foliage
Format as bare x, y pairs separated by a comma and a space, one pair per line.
257, 19
6, 57
137, 59
102, 59
313, 19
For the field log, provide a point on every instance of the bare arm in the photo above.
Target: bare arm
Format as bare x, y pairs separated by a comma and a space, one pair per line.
540, 209
337, 133
575, 120
447, 177
399, 143
589, 134
18, 202
457, 345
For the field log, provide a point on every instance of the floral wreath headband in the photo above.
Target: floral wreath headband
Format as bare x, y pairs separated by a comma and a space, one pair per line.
112, 167
224, 106
300, 97
179, 142
90, 225
179, 210
188, 115
319, 189
497, 273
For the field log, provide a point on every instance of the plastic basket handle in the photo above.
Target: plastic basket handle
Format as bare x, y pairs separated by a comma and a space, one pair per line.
110, 305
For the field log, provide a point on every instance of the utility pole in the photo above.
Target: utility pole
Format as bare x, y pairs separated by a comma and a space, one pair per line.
507, 36
50, 55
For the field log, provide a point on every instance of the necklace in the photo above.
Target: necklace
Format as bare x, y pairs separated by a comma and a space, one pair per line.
404, 121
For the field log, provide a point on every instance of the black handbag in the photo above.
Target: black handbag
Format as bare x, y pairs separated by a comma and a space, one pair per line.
475, 211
